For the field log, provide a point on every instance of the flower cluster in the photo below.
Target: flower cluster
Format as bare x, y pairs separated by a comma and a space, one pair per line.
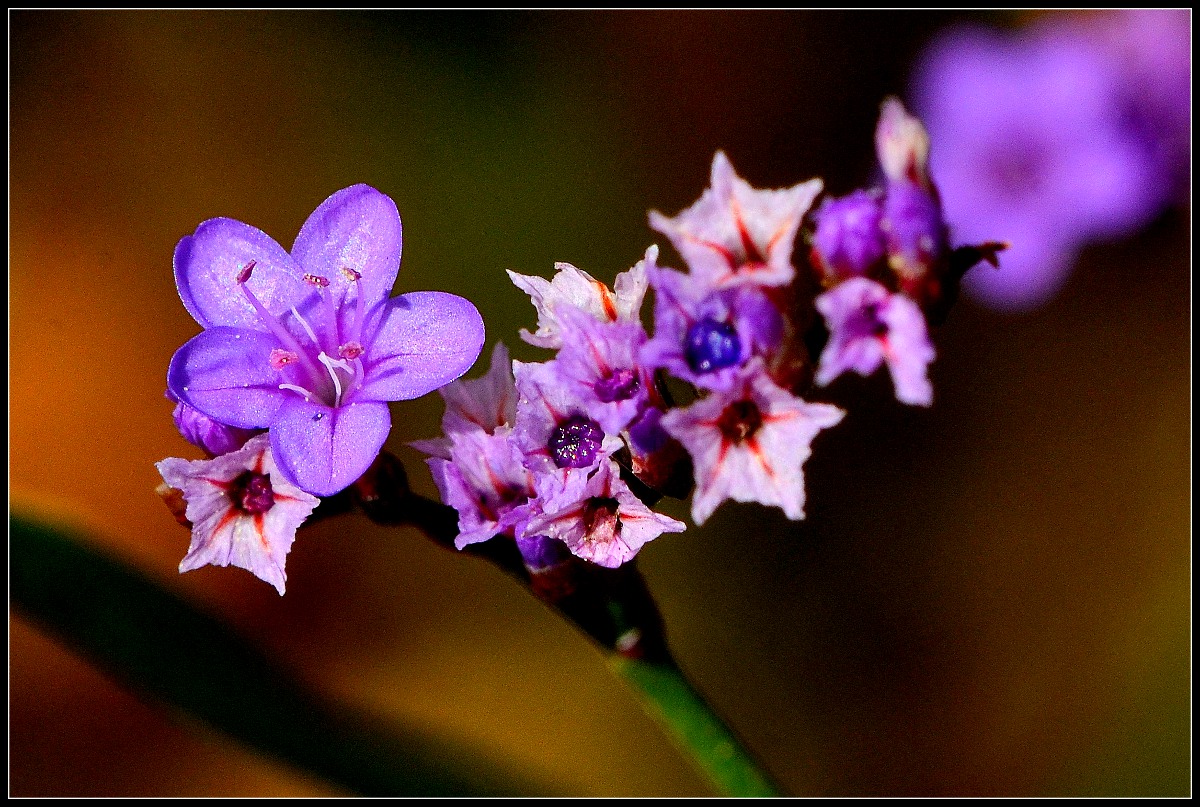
290, 379
564, 456
1073, 130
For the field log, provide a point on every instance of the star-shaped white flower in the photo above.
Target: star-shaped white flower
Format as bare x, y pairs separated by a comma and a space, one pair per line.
243, 511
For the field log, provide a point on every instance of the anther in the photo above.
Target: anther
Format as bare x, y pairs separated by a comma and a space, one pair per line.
351, 275
247, 270
351, 350
281, 358
316, 280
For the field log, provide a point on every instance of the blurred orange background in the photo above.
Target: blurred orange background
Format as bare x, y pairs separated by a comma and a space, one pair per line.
991, 597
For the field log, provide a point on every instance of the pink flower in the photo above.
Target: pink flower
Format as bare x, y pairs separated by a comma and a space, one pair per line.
484, 480
596, 516
736, 235
576, 288
243, 511
868, 326
750, 443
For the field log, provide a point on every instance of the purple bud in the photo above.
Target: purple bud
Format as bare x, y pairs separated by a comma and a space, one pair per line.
646, 434
202, 431
541, 552
915, 230
575, 442
848, 240
712, 345
619, 385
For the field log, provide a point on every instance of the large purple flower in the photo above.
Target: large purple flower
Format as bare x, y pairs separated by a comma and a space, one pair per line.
309, 345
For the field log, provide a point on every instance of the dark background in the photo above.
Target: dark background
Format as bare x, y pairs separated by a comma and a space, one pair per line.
988, 597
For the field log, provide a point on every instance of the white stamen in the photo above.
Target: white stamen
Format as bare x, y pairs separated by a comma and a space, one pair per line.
308, 396
330, 365
308, 330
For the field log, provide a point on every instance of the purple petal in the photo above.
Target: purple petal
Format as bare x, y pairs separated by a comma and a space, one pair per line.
226, 373
211, 435
356, 228
207, 265
418, 342
324, 450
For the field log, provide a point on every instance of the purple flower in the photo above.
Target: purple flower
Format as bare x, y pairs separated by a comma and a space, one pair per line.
868, 326
737, 235
1030, 149
200, 430
484, 480
309, 345
243, 511
750, 443
597, 516
575, 288
848, 241
702, 335
554, 426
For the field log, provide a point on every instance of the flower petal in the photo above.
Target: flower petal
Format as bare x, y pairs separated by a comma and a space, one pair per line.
207, 265
323, 450
418, 342
226, 373
356, 228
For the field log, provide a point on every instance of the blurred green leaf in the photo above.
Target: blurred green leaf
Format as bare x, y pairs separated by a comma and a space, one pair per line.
163, 647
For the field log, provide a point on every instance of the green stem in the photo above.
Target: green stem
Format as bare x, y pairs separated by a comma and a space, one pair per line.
694, 727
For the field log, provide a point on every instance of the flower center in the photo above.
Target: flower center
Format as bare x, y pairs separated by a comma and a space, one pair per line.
711, 345
600, 514
618, 385
575, 442
337, 369
868, 322
740, 421
251, 493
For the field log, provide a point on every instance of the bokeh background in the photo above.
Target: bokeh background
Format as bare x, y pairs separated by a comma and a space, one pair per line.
989, 597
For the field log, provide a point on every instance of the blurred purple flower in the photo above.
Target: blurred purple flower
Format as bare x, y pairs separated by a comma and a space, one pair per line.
735, 234
868, 326
750, 443
243, 511
1153, 50
1029, 148
309, 344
